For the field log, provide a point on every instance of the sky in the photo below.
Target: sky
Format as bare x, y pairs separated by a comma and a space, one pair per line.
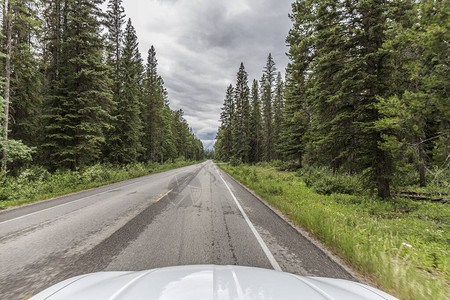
200, 45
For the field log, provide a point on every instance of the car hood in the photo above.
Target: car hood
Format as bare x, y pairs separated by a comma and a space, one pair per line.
207, 282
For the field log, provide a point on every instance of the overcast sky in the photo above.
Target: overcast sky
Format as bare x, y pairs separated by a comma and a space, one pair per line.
200, 44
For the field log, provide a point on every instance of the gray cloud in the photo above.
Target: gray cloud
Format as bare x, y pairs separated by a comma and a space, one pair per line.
200, 44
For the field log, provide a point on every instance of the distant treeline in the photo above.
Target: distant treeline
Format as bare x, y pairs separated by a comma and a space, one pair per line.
77, 92
367, 91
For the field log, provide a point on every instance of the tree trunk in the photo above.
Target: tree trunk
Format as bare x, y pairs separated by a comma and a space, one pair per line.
381, 173
421, 166
384, 190
5, 124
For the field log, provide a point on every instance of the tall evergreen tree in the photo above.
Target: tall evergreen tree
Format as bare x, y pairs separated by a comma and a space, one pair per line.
296, 121
124, 144
25, 89
168, 145
8, 17
178, 129
154, 101
241, 117
81, 101
345, 76
295, 126
224, 144
187, 145
115, 20
59, 96
256, 130
368, 19
267, 92
415, 116
278, 108
54, 13
333, 129
21, 98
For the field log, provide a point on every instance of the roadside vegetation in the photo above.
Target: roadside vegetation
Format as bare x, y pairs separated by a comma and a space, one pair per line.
362, 117
37, 183
77, 94
400, 244
366, 92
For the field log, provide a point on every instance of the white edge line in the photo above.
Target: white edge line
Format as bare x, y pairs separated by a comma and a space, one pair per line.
67, 203
84, 198
309, 237
261, 242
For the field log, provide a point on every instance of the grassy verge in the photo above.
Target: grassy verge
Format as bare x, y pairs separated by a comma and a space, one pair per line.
37, 184
402, 245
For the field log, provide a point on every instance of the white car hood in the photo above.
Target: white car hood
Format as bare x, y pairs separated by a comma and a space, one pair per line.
201, 282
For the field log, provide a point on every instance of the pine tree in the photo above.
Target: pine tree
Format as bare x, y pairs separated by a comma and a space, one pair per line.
278, 108
241, 117
19, 68
52, 41
169, 150
297, 112
332, 129
185, 141
177, 129
115, 20
434, 67
154, 99
256, 131
267, 92
80, 102
296, 122
126, 135
224, 144
8, 17
341, 72
414, 120
371, 80
25, 88
67, 88
54, 15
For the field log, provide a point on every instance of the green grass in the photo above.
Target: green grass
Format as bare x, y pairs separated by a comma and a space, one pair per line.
402, 245
38, 184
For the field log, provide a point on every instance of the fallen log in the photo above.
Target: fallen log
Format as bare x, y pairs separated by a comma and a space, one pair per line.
423, 198
424, 193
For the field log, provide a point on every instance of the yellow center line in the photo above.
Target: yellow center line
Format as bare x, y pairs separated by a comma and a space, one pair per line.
163, 195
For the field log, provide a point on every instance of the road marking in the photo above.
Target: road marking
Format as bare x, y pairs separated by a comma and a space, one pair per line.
67, 203
261, 242
46, 209
163, 195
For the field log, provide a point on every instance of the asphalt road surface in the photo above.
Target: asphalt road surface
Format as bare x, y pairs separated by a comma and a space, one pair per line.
192, 215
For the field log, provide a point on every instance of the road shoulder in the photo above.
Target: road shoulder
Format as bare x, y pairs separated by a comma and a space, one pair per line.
303, 232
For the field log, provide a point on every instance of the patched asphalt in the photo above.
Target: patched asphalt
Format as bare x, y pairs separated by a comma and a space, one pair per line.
179, 217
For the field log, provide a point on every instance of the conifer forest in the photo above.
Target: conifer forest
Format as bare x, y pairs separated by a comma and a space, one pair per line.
76, 91
326, 121
366, 92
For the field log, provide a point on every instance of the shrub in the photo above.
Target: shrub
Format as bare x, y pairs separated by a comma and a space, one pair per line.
35, 173
96, 173
235, 162
324, 182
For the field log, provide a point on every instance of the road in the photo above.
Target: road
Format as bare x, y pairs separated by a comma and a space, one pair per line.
192, 215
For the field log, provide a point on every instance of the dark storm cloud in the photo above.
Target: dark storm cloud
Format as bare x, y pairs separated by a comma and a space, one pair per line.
200, 44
